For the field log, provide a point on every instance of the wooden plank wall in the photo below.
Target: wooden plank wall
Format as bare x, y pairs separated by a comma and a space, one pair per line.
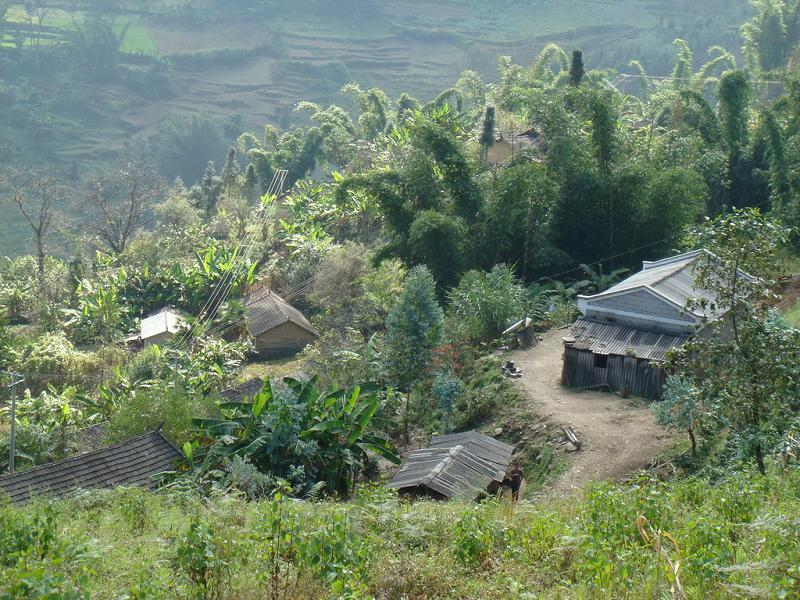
635, 374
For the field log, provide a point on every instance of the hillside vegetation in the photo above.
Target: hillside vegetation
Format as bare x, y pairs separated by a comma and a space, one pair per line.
247, 63
411, 233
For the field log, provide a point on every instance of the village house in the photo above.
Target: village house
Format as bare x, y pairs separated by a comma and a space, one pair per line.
133, 463
277, 327
627, 330
505, 149
462, 465
161, 327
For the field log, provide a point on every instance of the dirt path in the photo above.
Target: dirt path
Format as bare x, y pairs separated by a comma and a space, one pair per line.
618, 436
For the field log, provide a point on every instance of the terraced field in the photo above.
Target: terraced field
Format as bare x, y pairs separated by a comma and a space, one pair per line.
418, 46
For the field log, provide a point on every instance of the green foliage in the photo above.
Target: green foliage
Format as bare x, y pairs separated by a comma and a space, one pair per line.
446, 389
53, 360
485, 304
474, 534
413, 329
295, 431
197, 555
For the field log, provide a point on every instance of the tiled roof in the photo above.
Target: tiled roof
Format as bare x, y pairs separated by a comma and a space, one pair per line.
608, 338
90, 438
484, 447
266, 310
244, 391
452, 472
130, 463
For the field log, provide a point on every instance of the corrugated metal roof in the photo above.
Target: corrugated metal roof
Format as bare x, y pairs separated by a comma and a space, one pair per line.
267, 310
452, 472
484, 447
671, 278
608, 338
166, 321
131, 463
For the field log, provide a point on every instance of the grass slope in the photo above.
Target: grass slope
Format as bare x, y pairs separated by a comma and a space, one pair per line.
647, 539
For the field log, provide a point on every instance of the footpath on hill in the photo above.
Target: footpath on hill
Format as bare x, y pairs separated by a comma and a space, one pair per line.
618, 436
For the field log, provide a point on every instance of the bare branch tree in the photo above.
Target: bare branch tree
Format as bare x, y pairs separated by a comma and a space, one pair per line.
120, 205
35, 197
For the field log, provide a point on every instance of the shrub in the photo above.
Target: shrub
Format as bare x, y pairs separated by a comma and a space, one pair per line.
53, 360
485, 304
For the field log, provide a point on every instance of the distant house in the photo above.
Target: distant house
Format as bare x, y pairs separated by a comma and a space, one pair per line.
464, 466
277, 327
505, 149
625, 329
161, 327
134, 463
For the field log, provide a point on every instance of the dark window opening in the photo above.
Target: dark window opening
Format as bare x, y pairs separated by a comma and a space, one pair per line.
600, 361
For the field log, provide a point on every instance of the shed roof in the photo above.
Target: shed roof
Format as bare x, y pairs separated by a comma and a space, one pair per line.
131, 463
244, 391
452, 472
607, 338
672, 279
165, 321
265, 311
484, 447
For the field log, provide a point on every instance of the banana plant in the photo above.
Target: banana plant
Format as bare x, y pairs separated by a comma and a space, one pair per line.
326, 432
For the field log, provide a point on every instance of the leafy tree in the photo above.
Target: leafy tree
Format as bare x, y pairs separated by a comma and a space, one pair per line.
487, 133
438, 241
447, 388
413, 328
746, 369
681, 408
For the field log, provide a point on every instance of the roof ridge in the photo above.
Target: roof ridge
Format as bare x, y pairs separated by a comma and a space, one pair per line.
451, 455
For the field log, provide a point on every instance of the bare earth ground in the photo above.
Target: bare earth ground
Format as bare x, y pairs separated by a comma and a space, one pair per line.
618, 436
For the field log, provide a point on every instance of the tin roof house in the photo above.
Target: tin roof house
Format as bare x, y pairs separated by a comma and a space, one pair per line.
161, 327
463, 466
633, 324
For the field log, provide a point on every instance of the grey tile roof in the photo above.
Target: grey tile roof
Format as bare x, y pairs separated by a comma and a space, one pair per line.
608, 338
452, 472
267, 310
484, 447
244, 391
90, 438
130, 463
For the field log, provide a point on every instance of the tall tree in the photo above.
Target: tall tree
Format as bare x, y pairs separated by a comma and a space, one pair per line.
36, 197
487, 132
576, 69
119, 205
413, 330
734, 107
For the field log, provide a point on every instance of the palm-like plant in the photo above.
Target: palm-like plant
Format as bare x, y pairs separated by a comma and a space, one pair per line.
323, 432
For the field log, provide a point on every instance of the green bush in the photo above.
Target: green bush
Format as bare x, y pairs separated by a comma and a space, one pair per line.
53, 360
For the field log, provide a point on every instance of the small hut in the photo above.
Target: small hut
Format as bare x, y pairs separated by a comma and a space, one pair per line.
464, 465
505, 149
277, 327
161, 327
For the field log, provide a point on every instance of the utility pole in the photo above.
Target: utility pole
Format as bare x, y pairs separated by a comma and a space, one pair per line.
16, 379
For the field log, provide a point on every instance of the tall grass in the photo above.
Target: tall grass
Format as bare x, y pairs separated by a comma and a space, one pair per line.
646, 539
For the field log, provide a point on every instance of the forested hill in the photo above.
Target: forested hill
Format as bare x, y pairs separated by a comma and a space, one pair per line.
85, 83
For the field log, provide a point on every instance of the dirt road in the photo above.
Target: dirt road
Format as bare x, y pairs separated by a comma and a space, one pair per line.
618, 436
